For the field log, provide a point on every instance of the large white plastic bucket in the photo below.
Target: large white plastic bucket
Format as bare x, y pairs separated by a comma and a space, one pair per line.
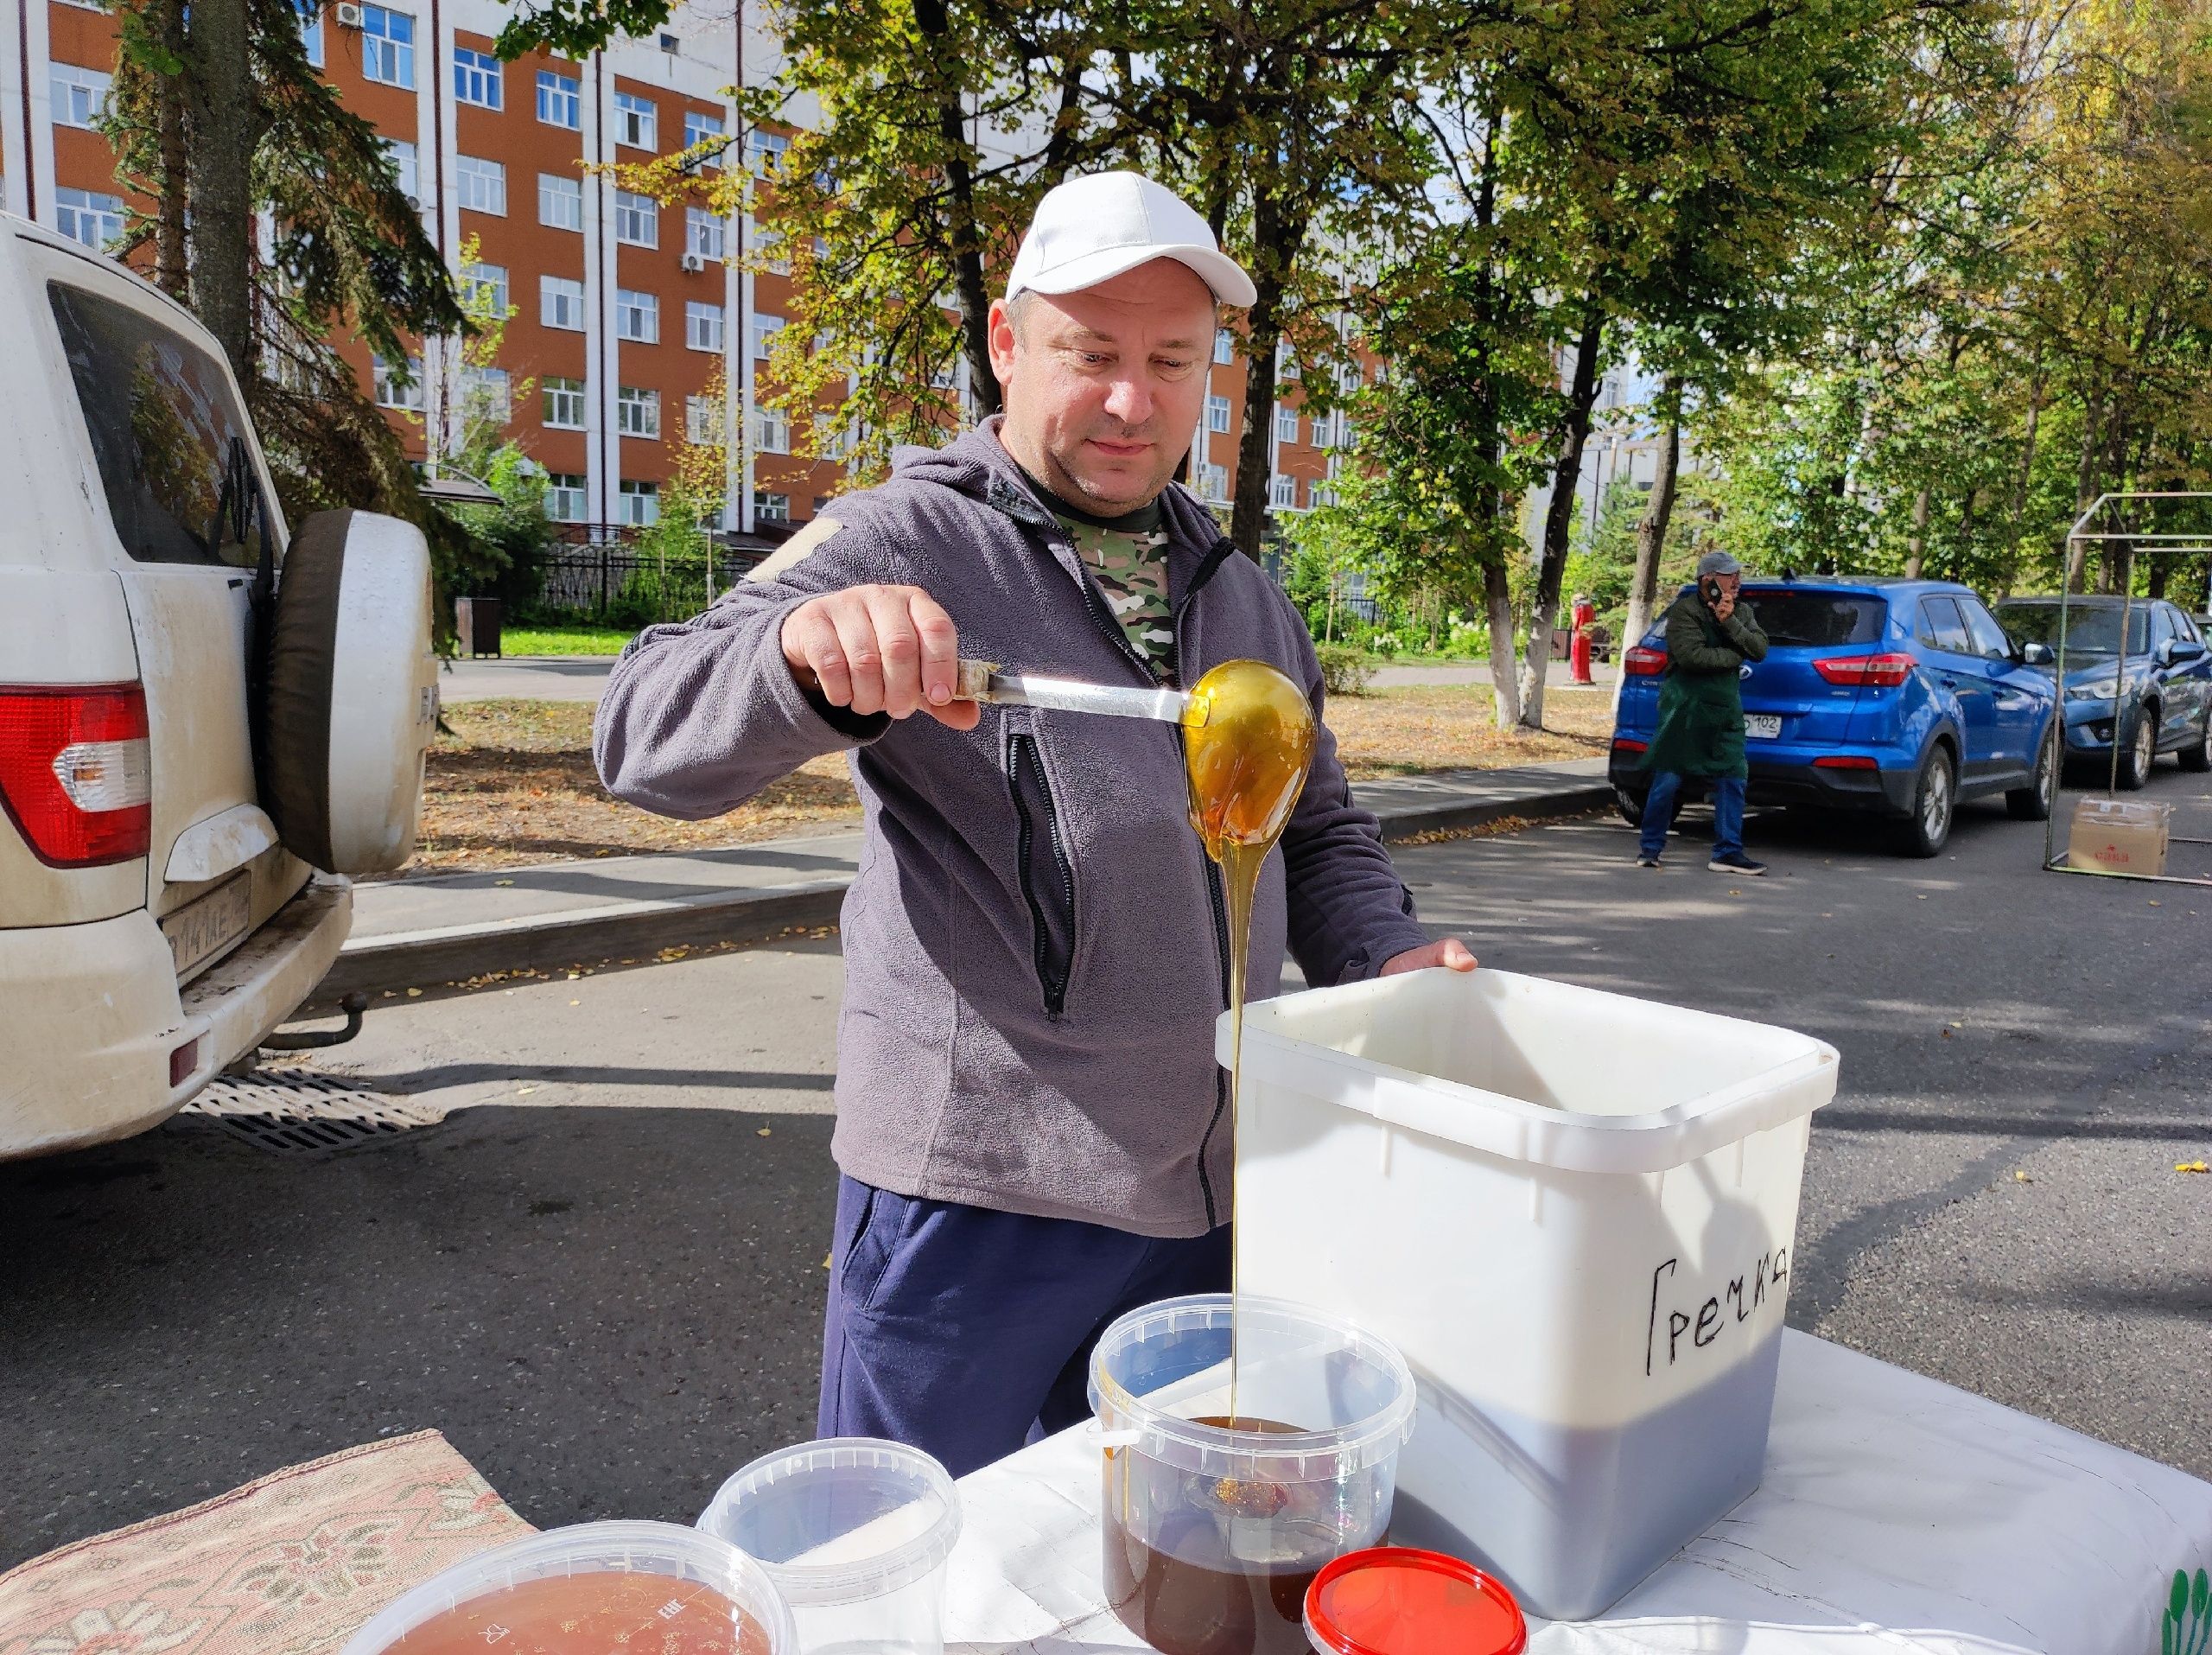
1573, 1212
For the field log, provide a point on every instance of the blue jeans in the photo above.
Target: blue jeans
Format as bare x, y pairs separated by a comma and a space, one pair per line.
957, 1330
1666, 793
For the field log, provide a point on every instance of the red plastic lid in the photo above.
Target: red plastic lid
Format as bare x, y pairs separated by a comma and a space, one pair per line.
1397, 1600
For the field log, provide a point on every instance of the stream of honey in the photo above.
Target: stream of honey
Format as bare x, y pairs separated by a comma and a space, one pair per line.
1248, 742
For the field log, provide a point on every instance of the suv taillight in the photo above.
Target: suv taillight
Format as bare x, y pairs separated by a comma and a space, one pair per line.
1879, 672
1642, 663
75, 772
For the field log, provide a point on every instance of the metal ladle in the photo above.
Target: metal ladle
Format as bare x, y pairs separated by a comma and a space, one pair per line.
986, 681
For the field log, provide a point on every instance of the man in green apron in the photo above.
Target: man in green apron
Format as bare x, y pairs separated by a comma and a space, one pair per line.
1701, 714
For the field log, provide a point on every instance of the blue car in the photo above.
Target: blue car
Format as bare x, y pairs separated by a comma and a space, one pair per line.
1888, 698
2165, 706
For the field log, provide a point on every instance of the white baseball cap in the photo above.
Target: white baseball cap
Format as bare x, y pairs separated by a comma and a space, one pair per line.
1089, 229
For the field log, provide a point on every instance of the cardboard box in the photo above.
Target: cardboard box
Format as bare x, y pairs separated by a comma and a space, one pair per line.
2119, 835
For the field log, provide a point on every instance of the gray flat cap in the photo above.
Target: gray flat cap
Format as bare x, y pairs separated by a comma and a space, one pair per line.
1718, 563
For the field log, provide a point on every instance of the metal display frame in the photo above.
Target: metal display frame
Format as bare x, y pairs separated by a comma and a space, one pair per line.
2081, 534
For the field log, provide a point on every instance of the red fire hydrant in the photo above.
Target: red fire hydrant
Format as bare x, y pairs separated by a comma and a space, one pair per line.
1578, 648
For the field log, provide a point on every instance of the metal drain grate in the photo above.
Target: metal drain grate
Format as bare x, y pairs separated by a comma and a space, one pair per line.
299, 1113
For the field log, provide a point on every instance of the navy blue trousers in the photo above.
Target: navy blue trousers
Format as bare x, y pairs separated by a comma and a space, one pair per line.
962, 1331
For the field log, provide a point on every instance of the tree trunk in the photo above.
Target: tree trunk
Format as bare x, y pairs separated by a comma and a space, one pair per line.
1497, 602
1651, 532
1917, 545
1249, 515
2085, 490
2027, 468
1558, 517
220, 88
974, 299
172, 274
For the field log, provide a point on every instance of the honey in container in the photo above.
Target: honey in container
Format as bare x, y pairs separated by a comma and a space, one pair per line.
639, 1589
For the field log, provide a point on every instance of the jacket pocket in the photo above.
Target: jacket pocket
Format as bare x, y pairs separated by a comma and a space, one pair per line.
1047, 875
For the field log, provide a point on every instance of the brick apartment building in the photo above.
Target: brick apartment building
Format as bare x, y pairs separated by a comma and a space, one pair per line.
624, 309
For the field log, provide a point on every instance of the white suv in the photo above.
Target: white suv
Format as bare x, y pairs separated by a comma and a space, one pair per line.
197, 709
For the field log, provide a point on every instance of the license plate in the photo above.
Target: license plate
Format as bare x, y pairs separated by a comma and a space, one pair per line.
1763, 726
207, 925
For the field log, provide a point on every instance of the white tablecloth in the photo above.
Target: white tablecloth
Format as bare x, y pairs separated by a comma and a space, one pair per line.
1898, 1515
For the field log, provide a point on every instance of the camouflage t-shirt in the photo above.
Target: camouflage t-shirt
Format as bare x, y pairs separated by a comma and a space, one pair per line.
1128, 560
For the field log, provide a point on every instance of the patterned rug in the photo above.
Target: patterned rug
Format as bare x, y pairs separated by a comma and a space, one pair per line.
290, 1564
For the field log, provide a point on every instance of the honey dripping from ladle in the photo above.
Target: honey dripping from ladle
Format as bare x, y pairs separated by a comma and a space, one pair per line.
1248, 742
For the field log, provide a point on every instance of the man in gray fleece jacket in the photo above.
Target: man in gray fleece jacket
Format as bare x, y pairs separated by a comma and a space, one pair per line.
1032, 1131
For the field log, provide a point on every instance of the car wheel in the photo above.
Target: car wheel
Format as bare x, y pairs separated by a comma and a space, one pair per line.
1934, 797
1629, 806
2197, 756
2142, 750
2035, 802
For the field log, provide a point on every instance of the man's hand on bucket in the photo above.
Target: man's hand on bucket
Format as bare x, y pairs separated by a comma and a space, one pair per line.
879, 649
1451, 954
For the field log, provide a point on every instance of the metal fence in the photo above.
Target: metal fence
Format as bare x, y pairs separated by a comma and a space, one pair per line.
594, 571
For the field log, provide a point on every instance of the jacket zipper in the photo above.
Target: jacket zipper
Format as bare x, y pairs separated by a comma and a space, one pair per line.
1022, 750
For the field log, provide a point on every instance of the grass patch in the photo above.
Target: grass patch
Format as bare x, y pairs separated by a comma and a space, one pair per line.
565, 640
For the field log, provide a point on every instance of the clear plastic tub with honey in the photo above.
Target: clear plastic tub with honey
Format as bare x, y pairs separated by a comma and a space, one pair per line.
1214, 1523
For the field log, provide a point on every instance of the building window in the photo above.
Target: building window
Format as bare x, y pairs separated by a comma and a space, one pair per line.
1213, 483
564, 496
773, 253
311, 31
1287, 424
772, 431
561, 303
1282, 490
771, 509
486, 395
388, 47
764, 151
477, 79
87, 216
80, 94
637, 219
1321, 425
637, 412
564, 404
637, 316
560, 100
483, 185
634, 121
1286, 360
486, 288
1218, 414
390, 393
560, 201
702, 327
699, 128
403, 167
640, 504
703, 234
1225, 346
763, 329
703, 421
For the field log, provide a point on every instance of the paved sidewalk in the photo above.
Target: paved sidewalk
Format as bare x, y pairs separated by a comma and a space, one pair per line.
410, 933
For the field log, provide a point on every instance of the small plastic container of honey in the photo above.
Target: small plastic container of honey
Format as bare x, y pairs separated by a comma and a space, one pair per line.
585, 1591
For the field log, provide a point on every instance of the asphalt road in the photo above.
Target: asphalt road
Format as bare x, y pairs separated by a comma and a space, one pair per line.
601, 1274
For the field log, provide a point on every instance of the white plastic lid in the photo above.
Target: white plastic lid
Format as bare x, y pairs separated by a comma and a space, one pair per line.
666, 1549
841, 1520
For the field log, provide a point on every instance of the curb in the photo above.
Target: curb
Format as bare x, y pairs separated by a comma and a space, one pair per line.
440, 954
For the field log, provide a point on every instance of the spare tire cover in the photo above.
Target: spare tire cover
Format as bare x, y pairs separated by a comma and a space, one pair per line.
352, 692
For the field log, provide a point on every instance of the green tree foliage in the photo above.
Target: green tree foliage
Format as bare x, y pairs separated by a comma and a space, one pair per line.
218, 116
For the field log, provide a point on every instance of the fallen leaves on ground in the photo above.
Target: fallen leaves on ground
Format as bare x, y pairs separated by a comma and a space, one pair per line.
509, 783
